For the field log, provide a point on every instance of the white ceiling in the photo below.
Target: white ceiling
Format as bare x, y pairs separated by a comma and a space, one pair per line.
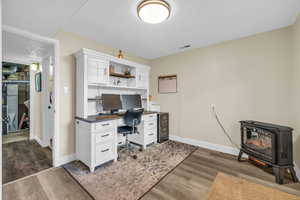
44, 17
114, 22
23, 50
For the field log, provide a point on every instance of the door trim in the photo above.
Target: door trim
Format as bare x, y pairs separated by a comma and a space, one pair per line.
56, 63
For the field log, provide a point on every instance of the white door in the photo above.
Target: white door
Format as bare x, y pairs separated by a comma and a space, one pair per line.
47, 101
142, 78
103, 72
98, 71
92, 68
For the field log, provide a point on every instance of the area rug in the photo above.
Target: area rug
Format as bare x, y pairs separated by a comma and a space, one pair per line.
129, 179
227, 187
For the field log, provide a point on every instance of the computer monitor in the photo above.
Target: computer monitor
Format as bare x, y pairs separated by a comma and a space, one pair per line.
111, 102
130, 101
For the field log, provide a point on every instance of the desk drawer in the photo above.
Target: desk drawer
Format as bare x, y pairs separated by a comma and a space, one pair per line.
104, 136
150, 135
150, 125
103, 126
151, 117
104, 152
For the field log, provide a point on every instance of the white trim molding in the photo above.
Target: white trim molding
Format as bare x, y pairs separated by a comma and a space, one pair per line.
206, 145
66, 159
297, 170
28, 34
40, 142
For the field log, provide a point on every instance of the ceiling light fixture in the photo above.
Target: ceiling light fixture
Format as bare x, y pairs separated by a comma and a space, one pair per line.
153, 11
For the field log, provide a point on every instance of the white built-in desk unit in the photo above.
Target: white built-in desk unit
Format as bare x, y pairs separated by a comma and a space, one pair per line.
96, 136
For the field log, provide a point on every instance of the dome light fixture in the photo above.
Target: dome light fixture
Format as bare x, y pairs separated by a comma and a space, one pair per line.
153, 11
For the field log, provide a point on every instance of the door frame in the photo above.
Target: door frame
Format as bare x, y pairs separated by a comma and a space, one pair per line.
55, 43
45, 82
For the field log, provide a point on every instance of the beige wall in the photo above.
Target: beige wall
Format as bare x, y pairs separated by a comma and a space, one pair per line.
248, 78
296, 90
69, 44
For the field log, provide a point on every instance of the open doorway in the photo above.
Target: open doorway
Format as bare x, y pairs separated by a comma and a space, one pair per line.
16, 101
28, 96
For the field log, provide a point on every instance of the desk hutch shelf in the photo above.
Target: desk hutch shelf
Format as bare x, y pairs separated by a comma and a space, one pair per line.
98, 73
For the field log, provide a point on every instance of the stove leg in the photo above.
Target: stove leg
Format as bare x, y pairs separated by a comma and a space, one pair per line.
279, 174
293, 173
240, 155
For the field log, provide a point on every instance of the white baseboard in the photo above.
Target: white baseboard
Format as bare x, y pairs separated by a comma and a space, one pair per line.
66, 159
40, 142
206, 145
297, 170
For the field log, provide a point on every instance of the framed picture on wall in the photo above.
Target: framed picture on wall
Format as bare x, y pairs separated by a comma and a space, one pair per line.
167, 84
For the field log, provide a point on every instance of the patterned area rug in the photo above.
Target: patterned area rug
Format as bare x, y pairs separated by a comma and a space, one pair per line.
129, 179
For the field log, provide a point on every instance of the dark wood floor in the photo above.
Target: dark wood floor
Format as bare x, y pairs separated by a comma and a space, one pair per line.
190, 180
24, 158
193, 177
52, 184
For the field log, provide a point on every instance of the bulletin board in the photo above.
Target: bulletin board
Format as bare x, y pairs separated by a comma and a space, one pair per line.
167, 84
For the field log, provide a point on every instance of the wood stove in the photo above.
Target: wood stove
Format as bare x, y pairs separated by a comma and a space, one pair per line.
271, 144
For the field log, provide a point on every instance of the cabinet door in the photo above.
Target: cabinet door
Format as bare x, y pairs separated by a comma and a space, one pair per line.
98, 71
92, 71
142, 78
103, 67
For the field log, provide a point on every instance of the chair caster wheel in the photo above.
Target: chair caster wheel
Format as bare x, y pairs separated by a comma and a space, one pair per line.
134, 156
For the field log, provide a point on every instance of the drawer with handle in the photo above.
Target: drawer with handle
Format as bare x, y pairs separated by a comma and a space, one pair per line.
151, 117
108, 125
104, 136
104, 152
150, 125
151, 135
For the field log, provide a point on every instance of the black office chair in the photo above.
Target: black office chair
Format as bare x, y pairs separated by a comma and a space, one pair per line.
132, 119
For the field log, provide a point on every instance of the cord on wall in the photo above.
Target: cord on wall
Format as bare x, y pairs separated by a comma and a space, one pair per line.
222, 127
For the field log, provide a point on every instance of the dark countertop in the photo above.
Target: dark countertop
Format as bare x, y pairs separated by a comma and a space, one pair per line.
103, 118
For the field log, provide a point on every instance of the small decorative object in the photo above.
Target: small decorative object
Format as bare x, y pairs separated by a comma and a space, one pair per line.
167, 84
120, 55
38, 82
127, 72
111, 69
118, 82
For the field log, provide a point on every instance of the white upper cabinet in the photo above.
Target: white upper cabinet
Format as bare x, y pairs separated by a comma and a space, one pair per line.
98, 71
142, 78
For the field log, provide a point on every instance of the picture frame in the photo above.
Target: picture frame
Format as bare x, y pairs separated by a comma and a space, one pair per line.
38, 82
